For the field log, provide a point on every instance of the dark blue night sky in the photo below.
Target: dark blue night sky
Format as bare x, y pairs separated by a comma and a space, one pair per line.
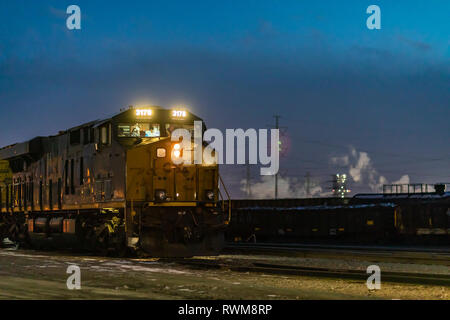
374, 104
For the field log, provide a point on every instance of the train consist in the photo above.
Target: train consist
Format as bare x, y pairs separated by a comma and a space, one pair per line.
111, 184
365, 218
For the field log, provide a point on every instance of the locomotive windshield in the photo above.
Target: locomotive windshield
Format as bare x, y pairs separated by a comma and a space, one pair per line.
139, 130
170, 127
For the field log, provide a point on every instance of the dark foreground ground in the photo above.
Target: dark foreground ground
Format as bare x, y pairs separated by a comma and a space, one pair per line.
42, 275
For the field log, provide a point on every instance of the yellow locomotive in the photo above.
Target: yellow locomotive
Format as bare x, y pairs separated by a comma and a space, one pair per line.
112, 184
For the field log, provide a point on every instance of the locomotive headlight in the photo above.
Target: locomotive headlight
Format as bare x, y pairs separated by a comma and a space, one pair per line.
209, 195
177, 150
160, 195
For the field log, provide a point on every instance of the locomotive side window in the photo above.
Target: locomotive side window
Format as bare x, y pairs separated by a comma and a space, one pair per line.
140, 130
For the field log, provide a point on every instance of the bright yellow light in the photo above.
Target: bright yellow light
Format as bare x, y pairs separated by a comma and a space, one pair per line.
144, 112
177, 147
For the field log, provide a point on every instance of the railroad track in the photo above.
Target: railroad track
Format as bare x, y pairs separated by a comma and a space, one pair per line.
281, 269
409, 255
253, 265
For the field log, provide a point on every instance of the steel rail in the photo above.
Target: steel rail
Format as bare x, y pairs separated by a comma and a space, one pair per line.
429, 256
281, 269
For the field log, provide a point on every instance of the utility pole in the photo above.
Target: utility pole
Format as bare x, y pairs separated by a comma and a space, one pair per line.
308, 184
277, 126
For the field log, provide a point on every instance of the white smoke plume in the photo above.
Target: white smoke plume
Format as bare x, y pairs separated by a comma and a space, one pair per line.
403, 180
362, 171
287, 188
341, 161
358, 165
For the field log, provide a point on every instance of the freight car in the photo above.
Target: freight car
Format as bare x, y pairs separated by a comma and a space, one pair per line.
365, 218
111, 184
418, 216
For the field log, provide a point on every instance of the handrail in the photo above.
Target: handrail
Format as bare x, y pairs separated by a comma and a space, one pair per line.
223, 200
221, 197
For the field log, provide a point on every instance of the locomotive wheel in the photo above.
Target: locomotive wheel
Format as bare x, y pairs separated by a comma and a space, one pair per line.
2, 235
121, 249
102, 243
25, 241
13, 233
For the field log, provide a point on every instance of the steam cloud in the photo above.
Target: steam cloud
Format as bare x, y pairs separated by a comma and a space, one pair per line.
362, 171
287, 188
359, 168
